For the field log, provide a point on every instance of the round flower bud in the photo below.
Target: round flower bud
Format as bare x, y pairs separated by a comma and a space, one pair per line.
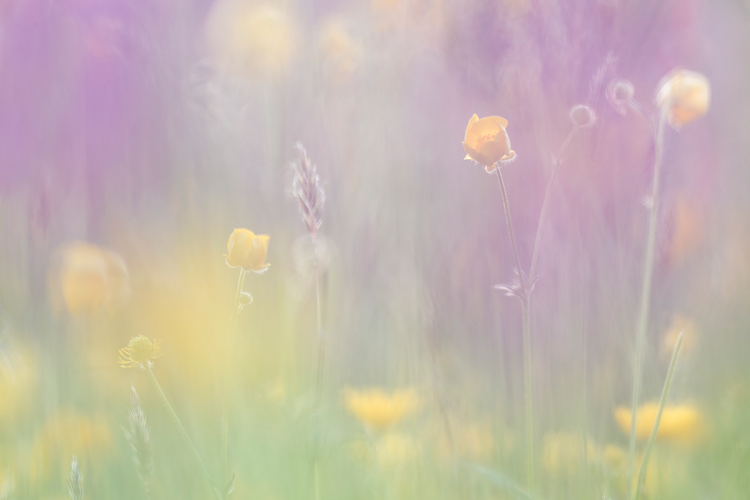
619, 93
582, 116
684, 96
247, 250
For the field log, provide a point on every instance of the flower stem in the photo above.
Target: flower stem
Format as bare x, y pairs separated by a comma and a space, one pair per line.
655, 430
183, 432
225, 402
547, 191
648, 271
319, 319
526, 319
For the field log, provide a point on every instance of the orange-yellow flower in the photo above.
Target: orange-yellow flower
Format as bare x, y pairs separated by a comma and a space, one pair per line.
679, 423
247, 250
378, 410
684, 96
139, 352
486, 141
85, 278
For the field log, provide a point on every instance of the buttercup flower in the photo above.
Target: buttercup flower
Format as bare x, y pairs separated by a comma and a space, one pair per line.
139, 352
85, 278
247, 250
486, 141
378, 410
679, 423
684, 96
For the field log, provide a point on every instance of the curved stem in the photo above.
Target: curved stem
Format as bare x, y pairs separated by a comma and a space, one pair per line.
547, 191
526, 320
655, 430
225, 403
648, 271
182, 430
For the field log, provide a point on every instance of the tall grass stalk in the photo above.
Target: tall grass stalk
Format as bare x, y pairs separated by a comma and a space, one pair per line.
645, 298
183, 432
225, 403
655, 430
523, 294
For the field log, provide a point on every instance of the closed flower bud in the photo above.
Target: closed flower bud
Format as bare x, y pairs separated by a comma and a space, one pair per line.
582, 116
684, 96
619, 93
247, 250
486, 141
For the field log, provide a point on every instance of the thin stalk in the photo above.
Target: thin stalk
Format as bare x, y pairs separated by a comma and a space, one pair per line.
547, 191
655, 430
182, 430
225, 403
319, 320
643, 311
526, 320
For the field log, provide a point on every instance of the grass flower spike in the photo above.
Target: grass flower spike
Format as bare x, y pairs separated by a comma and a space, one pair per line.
684, 96
140, 352
486, 141
247, 250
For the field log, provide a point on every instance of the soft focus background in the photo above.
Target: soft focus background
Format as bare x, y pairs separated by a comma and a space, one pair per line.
150, 130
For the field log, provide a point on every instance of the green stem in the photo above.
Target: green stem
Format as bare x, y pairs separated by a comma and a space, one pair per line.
643, 311
547, 191
655, 430
319, 320
227, 354
526, 319
182, 430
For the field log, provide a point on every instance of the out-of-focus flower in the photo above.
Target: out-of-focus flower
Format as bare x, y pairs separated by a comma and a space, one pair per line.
619, 92
684, 96
582, 116
378, 410
139, 352
247, 250
486, 141
251, 40
85, 278
679, 423
563, 452
679, 325
396, 449
687, 229
340, 55
67, 433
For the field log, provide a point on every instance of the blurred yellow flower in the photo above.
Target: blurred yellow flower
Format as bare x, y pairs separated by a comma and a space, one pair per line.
340, 54
679, 423
85, 278
679, 325
615, 457
563, 452
378, 410
247, 250
251, 40
486, 141
139, 352
67, 433
684, 96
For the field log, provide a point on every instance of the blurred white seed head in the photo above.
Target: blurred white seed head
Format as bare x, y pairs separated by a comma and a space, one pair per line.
582, 116
619, 93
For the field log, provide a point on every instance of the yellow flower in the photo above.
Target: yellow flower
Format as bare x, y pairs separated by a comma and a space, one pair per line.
378, 410
251, 40
247, 250
684, 96
139, 352
486, 141
679, 423
85, 279
340, 54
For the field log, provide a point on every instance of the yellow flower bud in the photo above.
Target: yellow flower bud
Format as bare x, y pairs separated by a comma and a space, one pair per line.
247, 250
684, 96
486, 141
